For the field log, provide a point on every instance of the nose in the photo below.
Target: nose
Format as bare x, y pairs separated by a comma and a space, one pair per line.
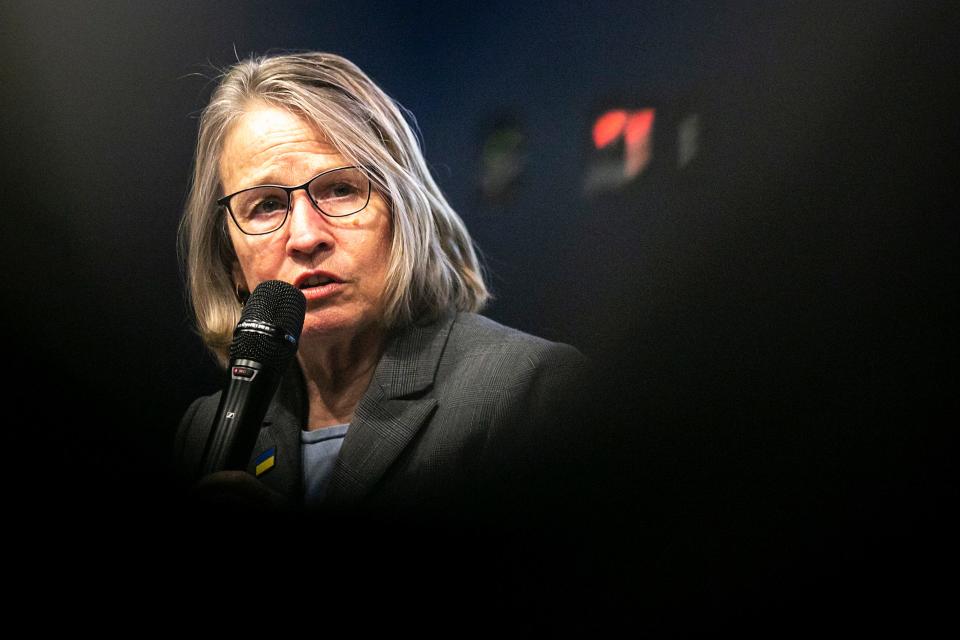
309, 230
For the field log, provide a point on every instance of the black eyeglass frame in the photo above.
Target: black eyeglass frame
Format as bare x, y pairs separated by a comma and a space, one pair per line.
225, 200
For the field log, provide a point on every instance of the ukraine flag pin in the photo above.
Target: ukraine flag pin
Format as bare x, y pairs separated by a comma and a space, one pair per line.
265, 461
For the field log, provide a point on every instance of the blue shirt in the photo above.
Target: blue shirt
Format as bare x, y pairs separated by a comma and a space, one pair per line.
320, 450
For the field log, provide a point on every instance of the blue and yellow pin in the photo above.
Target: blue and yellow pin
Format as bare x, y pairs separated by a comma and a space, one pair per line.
265, 461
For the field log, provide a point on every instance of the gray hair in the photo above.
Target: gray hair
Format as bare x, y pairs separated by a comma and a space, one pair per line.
433, 266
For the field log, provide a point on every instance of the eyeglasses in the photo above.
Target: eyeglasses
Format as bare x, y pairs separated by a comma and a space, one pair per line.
263, 209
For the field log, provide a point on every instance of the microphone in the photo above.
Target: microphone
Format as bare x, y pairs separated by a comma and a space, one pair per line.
264, 342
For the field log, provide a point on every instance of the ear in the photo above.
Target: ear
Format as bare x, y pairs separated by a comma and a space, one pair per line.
240, 283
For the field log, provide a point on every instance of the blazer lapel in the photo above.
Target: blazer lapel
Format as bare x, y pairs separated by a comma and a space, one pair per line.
393, 409
279, 438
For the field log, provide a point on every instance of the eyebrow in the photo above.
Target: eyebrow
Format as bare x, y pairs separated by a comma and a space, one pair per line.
265, 179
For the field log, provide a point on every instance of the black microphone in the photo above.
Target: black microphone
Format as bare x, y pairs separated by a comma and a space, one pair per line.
264, 342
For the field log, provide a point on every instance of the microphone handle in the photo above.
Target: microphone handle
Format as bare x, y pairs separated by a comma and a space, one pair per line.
242, 408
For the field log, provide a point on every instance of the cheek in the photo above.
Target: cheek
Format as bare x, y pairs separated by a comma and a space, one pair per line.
260, 263
374, 252
379, 250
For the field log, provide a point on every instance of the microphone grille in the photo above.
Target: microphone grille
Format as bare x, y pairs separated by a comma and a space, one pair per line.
280, 305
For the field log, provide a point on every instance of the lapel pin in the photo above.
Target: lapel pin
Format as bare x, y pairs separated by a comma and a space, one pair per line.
265, 461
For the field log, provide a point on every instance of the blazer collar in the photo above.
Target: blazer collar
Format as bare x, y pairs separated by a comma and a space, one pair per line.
409, 363
396, 404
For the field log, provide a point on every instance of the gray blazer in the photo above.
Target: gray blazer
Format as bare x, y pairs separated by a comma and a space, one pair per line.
455, 406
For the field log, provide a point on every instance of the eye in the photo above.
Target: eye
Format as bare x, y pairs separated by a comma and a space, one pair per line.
268, 206
340, 190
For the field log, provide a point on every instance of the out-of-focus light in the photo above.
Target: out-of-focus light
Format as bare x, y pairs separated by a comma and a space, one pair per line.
688, 140
503, 160
608, 127
616, 164
638, 126
639, 147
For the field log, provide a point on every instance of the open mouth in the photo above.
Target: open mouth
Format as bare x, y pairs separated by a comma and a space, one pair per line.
316, 281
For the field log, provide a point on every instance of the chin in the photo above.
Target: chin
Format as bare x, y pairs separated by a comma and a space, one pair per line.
323, 323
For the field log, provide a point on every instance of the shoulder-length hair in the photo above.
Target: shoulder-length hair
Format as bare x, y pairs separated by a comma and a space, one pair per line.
433, 266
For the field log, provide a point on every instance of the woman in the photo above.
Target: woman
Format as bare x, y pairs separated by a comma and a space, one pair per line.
400, 393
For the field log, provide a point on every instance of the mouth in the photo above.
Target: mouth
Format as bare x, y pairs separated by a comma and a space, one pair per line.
317, 285
315, 281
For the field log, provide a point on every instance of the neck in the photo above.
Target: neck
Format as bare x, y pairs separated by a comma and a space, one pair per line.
337, 374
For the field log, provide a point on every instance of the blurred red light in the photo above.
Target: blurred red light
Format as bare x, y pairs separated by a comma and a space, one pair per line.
638, 126
608, 127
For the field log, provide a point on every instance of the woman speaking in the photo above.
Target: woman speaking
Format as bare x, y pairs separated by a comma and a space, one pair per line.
400, 394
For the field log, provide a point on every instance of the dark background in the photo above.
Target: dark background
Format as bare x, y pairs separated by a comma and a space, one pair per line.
768, 446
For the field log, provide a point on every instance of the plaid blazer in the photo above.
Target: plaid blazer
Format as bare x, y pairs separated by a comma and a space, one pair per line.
454, 406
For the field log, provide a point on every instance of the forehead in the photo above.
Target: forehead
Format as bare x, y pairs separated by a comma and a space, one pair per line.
272, 145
